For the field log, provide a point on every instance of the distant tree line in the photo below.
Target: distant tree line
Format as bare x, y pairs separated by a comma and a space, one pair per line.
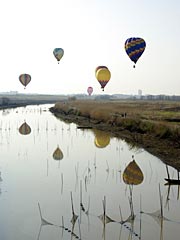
161, 97
4, 101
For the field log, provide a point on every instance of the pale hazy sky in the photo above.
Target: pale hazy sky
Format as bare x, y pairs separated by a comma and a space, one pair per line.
92, 33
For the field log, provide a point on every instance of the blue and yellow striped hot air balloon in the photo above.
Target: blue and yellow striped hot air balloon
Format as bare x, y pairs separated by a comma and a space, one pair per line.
134, 48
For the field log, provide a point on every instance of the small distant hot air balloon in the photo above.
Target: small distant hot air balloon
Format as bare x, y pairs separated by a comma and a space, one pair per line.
103, 76
24, 129
132, 174
89, 90
25, 79
102, 139
134, 48
58, 154
58, 53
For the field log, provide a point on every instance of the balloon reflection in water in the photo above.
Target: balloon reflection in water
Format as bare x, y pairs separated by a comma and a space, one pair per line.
133, 174
58, 154
102, 139
25, 129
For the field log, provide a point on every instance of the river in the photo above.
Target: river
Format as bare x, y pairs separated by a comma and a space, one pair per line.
60, 182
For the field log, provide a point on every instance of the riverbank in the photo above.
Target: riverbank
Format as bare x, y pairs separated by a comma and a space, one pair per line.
19, 99
154, 126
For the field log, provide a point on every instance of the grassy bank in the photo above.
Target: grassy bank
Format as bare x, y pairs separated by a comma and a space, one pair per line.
153, 125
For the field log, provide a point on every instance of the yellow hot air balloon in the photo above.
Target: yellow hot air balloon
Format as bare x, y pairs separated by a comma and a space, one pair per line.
25, 79
103, 76
58, 154
132, 174
102, 139
24, 129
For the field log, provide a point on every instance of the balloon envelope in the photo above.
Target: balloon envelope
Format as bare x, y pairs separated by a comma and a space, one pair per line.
134, 48
58, 155
24, 129
133, 174
58, 53
25, 79
102, 139
99, 67
103, 76
90, 90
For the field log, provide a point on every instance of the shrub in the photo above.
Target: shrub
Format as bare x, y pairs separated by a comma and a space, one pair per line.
131, 124
162, 130
73, 98
146, 126
100, 115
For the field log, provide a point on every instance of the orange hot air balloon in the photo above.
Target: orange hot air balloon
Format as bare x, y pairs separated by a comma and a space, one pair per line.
58, 154
24, 129
103, 76
25, 79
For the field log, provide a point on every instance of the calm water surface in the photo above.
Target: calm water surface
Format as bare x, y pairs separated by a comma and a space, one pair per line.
51, 172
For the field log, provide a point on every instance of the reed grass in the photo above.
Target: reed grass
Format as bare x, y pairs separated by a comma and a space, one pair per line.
152, 125
160, 118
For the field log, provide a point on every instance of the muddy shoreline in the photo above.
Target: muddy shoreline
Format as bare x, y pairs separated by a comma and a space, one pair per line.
165, 149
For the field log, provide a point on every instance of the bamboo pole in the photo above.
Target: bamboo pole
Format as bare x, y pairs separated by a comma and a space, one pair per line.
167, 172
161, 204
62, 182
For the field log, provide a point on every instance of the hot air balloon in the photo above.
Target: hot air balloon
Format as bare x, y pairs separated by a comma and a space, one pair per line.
103, 76
89, 90
58, 155
134, 48
25, 79
102, 139
58, 53
24, 129
133, 174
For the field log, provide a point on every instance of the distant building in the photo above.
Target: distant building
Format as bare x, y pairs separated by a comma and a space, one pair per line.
139, 96
139, 92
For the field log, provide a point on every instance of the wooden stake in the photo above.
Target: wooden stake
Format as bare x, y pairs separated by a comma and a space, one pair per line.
167, 172
161, 204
